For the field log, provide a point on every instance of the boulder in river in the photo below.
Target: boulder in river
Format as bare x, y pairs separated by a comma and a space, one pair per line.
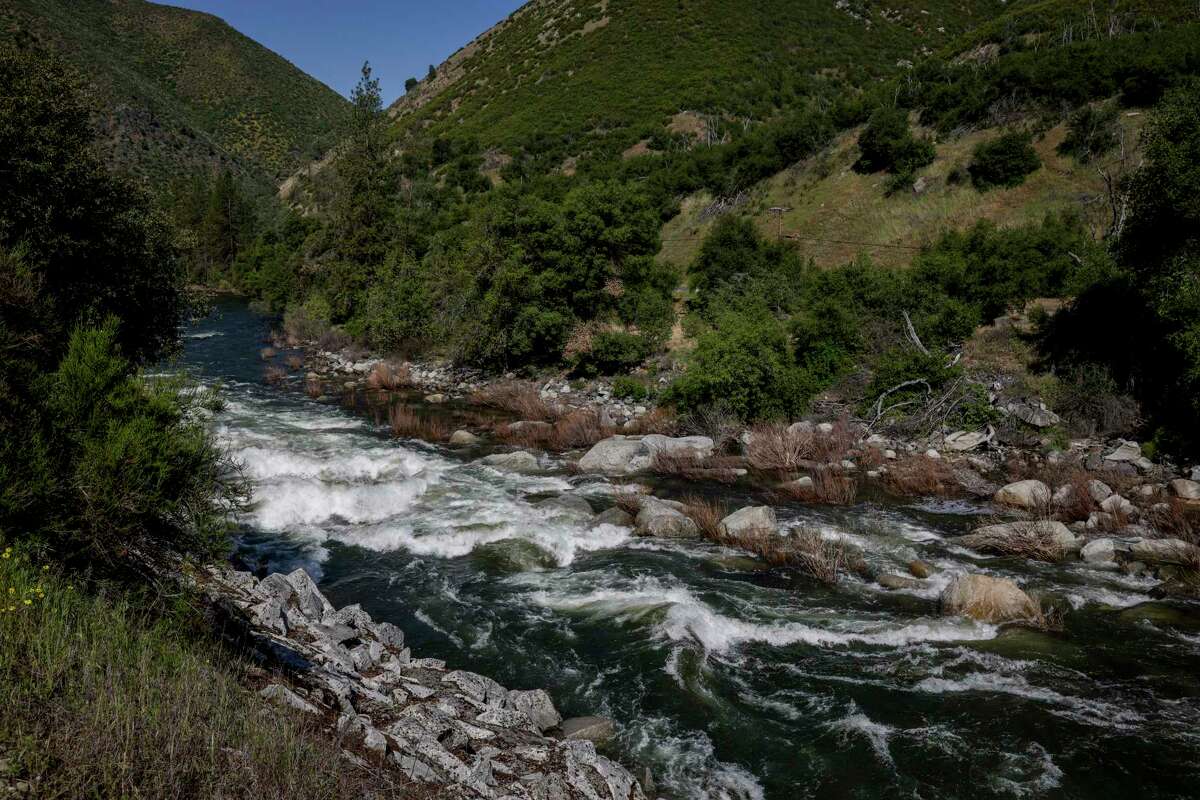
626, 455
749, 520
517, 461
463, 439
613, 516
1163, 551
657, 518
1024, 494
1185, 489
1014, 537
1099, 551
988, 599
570, 503
890, 580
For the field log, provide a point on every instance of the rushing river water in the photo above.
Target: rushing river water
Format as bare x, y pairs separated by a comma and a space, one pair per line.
726, 680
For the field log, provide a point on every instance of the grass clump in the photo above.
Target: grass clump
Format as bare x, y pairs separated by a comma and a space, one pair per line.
105, 699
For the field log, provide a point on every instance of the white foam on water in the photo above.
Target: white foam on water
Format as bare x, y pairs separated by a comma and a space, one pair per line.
876, 734
203, 335
1091, 712
1037, 773
292, 503
686, 763
1099, 595
686, 618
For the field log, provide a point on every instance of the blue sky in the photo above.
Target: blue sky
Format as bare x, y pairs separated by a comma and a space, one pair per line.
330, 40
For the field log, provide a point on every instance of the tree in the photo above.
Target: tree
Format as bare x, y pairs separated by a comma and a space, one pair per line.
410, 84
363, 208
888, 144
1004, 161
432, 72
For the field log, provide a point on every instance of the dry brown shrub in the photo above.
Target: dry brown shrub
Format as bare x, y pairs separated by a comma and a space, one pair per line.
918, 476
716, 421
870, 457
267, 353
836, 445
580, 428
656, 420
1035, 542
1078, 503
1179, 520
629, 499
773, 447
389, 377
694, 467
294, 362
274, 375
517, 397
312, 387
828, 487
406, 423
805, 550
707, 514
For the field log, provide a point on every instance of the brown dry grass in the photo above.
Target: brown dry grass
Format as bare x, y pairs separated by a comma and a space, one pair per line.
773, 447
829, 487
388, 377
1078, 504
294, 362
274, 375
707, 514
656, 420
579, 428
693, 467
312, 387
1179, 520
805, 550
919, 476
629, 499
521, 398
407, 424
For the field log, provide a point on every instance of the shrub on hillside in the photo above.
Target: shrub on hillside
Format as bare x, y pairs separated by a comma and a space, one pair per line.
746, 362
1091, 132
613, 353
888, 144
1004, 161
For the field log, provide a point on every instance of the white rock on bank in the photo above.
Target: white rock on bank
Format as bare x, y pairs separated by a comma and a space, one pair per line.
517, 461
657, 518
749, 520
1029, 494
988, 599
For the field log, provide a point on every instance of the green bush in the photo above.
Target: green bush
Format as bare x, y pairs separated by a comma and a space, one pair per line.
924, 375
1004, 161
612, 353
629, 388
888, 144
1091, 132
746, 362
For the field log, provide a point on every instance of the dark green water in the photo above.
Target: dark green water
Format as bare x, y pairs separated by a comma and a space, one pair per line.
727, 681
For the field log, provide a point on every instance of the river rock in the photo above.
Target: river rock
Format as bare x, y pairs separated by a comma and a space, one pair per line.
1028, 494
517, 461
890, 580
592, 729
749, 520
1163, 551
613, 516
309, 599
1034, 413
999, 538
962, 441
1116, 504
658, 518
531, 426
1099, 551
462, 438
920, 569
1126, 452
698, 446
1184, 489
281, 695
616, 455
571, 503
535, 704
988, 599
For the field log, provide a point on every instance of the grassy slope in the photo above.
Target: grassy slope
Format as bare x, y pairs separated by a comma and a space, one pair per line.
181, 89
609, 71
828, 201
103, 699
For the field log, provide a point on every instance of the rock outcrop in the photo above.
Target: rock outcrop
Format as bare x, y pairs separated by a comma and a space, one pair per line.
988, 599
449, 728
1029, 494
628, 455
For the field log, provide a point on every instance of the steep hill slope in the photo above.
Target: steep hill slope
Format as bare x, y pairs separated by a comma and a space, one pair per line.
181, 90
599, 77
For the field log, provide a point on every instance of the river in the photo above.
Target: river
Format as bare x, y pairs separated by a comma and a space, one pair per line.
726, 680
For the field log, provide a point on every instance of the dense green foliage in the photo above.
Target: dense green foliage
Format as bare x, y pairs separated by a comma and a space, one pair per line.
93, 459
887, 143
183, 91
548, 85
1004, 161
1091, 132
1143, 323
769, 323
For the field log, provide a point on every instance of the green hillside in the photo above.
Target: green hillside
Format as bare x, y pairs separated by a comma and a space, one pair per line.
181, 90
599, 77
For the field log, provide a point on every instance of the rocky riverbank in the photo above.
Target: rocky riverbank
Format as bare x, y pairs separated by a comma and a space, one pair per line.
455, 730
